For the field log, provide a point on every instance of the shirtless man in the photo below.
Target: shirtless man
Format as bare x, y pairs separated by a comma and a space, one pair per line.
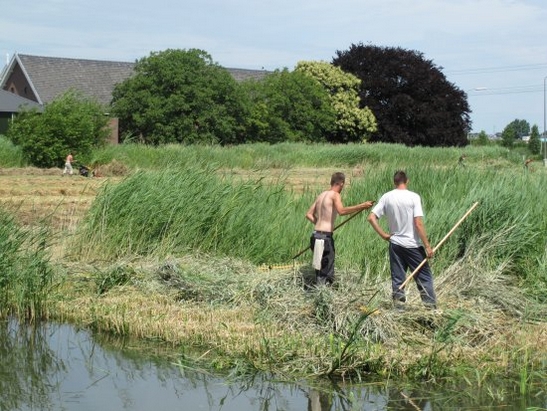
322, 214
68, 165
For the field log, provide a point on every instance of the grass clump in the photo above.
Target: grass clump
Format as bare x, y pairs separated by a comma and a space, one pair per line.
26, 275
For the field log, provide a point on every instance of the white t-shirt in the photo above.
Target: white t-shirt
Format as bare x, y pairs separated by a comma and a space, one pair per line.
400, 207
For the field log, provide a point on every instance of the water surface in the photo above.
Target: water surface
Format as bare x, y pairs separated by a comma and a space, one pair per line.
60, 367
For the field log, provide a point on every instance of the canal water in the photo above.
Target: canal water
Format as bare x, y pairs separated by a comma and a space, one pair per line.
60, 367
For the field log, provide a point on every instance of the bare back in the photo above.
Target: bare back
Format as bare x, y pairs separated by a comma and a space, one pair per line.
325, 211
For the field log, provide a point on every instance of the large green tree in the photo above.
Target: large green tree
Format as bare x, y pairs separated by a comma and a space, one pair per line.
288, 106
413, 102
353, 123
70, 123
521, 128
180, 96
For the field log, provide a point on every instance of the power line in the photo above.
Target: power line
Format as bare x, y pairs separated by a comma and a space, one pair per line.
508, 90
486, 70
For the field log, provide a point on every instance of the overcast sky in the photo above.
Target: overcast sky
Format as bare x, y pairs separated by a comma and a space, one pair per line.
495, 50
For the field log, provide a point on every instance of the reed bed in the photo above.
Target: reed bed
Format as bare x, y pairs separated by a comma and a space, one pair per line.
26, 275
174, 211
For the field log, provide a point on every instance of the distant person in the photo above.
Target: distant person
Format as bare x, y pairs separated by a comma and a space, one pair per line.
68, 165
322, 214
407, 238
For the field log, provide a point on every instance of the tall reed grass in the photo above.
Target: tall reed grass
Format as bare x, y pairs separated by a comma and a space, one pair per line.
290, 155
10, 155
25, 271
183, 210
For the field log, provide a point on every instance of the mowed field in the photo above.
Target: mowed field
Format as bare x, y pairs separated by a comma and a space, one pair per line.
46, 197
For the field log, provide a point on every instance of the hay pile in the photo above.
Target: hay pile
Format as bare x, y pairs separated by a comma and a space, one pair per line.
478, 308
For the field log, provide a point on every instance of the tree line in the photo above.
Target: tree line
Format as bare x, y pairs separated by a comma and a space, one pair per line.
366, 93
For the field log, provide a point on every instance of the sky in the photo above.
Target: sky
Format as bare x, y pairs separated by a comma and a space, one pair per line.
494, 50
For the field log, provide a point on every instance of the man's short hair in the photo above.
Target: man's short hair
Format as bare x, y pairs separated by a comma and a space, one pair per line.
400, 178
337, 178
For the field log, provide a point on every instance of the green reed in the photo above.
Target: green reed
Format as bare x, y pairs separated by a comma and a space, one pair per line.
25, 271
10, 155
182, 210
290, 155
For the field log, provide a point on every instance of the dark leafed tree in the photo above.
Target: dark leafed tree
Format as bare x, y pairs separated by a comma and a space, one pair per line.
412, 100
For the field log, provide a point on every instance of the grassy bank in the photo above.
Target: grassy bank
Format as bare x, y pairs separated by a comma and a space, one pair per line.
291, 155
178, 251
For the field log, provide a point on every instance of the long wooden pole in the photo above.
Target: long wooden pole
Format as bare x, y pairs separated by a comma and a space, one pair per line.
335, 228
403, 285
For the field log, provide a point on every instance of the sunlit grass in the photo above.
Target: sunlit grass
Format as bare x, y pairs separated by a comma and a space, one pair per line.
25, 272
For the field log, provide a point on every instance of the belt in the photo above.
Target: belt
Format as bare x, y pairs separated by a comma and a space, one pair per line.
323, 232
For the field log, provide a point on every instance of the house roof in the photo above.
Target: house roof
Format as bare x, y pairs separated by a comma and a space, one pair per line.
50, 77
12, 103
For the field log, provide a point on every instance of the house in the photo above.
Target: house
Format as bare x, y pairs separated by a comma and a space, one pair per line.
42, 79
11, 104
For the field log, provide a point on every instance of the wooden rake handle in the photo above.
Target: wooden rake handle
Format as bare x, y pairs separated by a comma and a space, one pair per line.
403, 285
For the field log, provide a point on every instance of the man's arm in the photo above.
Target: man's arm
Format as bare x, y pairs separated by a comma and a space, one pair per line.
373, 220
420, 227
351, 209
310, 215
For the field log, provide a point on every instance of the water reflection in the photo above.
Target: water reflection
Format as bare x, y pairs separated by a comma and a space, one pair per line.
59, 367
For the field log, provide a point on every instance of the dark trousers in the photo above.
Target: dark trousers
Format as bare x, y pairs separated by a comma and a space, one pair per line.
326, 274
402, 259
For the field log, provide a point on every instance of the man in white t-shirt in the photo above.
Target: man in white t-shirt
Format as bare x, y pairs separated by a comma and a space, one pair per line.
407, 238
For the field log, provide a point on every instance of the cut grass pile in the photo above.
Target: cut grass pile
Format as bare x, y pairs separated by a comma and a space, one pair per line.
238, 316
